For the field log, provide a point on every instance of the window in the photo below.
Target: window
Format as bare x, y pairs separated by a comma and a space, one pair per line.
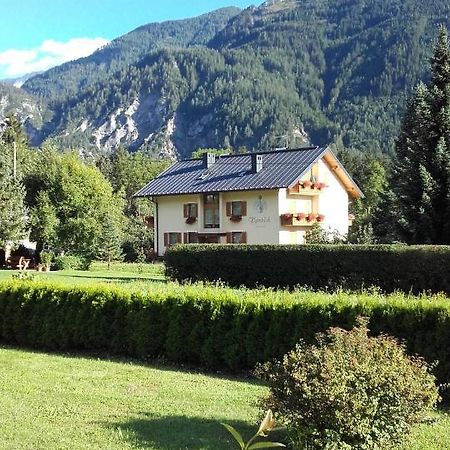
237, 237
172, 239
236, 209
190, 210
191, 238
211, 211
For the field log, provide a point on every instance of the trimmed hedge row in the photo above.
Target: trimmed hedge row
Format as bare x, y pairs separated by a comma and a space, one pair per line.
352, 267
213, 327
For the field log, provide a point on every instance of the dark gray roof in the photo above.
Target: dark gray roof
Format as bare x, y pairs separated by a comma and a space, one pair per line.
281, 169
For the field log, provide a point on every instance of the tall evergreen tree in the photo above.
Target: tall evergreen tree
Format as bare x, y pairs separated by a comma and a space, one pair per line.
12, 194
421, 173
110, 241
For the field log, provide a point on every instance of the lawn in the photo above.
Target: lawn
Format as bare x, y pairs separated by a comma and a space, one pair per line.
57, 402
119, 273
65, 402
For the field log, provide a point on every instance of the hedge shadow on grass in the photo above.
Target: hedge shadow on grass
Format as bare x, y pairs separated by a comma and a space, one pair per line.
177, 432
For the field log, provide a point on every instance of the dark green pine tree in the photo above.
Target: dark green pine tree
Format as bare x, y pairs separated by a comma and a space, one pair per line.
421, 172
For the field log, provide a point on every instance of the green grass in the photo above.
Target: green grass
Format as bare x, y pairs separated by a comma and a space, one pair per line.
65, 402
120, 273
57, 402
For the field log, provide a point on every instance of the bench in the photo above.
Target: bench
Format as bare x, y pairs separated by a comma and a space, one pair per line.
19, 262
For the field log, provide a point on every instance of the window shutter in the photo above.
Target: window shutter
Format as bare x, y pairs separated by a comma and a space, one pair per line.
195, 210
229, 238
179, 238
185, 238
186, 211
243, 208
229, 209
166, 239
243, 237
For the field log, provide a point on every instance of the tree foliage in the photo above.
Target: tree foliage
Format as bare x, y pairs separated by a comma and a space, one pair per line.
12, 192
71, 202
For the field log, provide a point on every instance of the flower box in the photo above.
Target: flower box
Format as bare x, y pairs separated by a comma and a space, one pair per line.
191, 220
301, 216
320, 218
286, 218
306, 184
319, 185
235, 218
311, 217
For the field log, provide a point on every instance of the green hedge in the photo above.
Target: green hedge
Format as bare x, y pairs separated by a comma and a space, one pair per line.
352, 267
213, 327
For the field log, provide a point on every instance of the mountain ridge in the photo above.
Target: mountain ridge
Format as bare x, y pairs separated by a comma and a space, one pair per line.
287, 71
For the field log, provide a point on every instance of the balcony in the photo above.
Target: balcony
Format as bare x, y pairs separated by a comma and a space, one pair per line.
306, 187
300, 219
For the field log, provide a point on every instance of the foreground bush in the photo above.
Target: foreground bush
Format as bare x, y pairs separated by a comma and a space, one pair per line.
352, 267
207, 326
349, 391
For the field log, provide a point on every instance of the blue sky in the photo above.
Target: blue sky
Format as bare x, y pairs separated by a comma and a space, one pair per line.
38, 34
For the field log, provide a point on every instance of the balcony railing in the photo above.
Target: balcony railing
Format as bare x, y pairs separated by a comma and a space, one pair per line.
300, 219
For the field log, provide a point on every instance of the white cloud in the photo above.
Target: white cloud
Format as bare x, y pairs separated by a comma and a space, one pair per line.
14, 63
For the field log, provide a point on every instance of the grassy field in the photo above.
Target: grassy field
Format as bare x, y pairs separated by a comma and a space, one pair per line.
65, 402
120, 273
56, 402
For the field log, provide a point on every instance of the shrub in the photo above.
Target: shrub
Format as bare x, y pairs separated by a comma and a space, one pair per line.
349, 391
214, 327
351, 267
46, 258
71, 262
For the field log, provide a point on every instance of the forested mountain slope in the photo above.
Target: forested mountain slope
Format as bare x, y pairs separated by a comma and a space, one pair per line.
285, 72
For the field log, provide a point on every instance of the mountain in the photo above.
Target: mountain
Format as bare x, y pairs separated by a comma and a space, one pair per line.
28, 109
19, 81
286, 72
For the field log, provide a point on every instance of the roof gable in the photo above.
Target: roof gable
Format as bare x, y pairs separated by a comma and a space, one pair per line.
234, 173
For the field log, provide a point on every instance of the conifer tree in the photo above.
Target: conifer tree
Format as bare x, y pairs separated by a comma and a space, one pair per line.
110, 242
421, 173
12, 195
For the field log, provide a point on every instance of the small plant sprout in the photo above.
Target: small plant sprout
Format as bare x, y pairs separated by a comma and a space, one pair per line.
267, 425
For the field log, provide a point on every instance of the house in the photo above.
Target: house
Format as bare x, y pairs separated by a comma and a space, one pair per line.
269, 197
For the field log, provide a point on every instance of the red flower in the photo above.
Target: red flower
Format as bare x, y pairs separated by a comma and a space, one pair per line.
301, 216
311, 217
320, 218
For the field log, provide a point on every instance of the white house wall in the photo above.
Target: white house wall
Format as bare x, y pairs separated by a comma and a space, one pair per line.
262, 222
333, 202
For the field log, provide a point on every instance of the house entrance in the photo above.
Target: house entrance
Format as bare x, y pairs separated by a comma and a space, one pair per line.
208, 239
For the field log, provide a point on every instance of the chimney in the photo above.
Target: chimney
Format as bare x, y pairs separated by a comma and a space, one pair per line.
208, 160
257, 162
